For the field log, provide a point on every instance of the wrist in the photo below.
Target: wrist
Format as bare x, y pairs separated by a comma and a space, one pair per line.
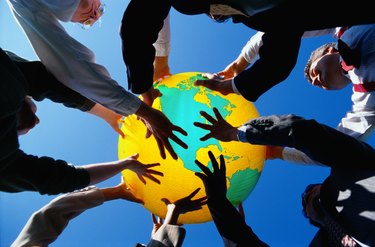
241, 134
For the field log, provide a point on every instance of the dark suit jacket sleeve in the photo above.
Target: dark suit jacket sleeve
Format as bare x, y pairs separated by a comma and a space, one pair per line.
141, 23
277, 58
43, 84
25, 172
231, 225
320, 142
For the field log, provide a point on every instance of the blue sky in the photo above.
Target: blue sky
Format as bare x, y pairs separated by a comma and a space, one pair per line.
273, 209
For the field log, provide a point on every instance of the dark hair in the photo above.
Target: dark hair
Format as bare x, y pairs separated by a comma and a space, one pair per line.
317, 53
307, 191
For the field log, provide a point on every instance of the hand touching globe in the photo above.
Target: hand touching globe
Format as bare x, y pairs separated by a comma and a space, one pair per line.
182, 102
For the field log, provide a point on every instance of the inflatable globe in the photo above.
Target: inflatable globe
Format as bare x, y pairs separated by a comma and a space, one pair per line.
181, 102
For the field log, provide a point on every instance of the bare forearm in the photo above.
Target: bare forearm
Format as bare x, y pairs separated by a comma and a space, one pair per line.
102, 171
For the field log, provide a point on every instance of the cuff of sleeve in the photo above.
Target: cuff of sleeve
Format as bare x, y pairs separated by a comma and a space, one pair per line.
235, 90
241, 134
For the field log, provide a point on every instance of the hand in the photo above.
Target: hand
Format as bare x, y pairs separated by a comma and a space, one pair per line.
220, 129
124, 192
115, 122
186, 204
234, 68
149, 97
151, 94
162, 129
222, 86
215, 182
229, 72
142, 170
157, 224
111, 117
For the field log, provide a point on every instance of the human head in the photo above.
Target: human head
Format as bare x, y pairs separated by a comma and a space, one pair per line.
88, 12
323, 68
26, 117
310, 204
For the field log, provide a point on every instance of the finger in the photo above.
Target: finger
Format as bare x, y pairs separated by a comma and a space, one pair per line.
192, 194
134, 156
154, 220
161, 147
222, 164
166, 201
201, 176
170, 150
218, 115
206, 137
148, 133
119, 131
203, 167
142, 179
179, 129
155, 172
208, 117
178, 141
152, 165
214, 163
200, 83
153, 178
203, 126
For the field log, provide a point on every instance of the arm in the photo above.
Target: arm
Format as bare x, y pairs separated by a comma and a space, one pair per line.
318, 141
46, 224
71, 62
161, 62
42, 84
267, 71
229, 222
250, 52
102, 171
170, 233
162, 50
140, 71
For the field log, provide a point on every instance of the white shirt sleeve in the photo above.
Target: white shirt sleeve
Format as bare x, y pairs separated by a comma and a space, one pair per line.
295, 156
45, 225
251, 50
168, 236
70, 61
360, 121
163, 43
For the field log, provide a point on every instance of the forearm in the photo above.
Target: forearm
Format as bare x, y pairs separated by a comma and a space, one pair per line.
104, 113
231, 225
267, 71
102, 171
45, 225
59, 51
138, 39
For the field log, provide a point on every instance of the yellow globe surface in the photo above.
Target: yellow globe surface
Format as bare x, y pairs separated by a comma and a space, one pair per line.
181, 102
